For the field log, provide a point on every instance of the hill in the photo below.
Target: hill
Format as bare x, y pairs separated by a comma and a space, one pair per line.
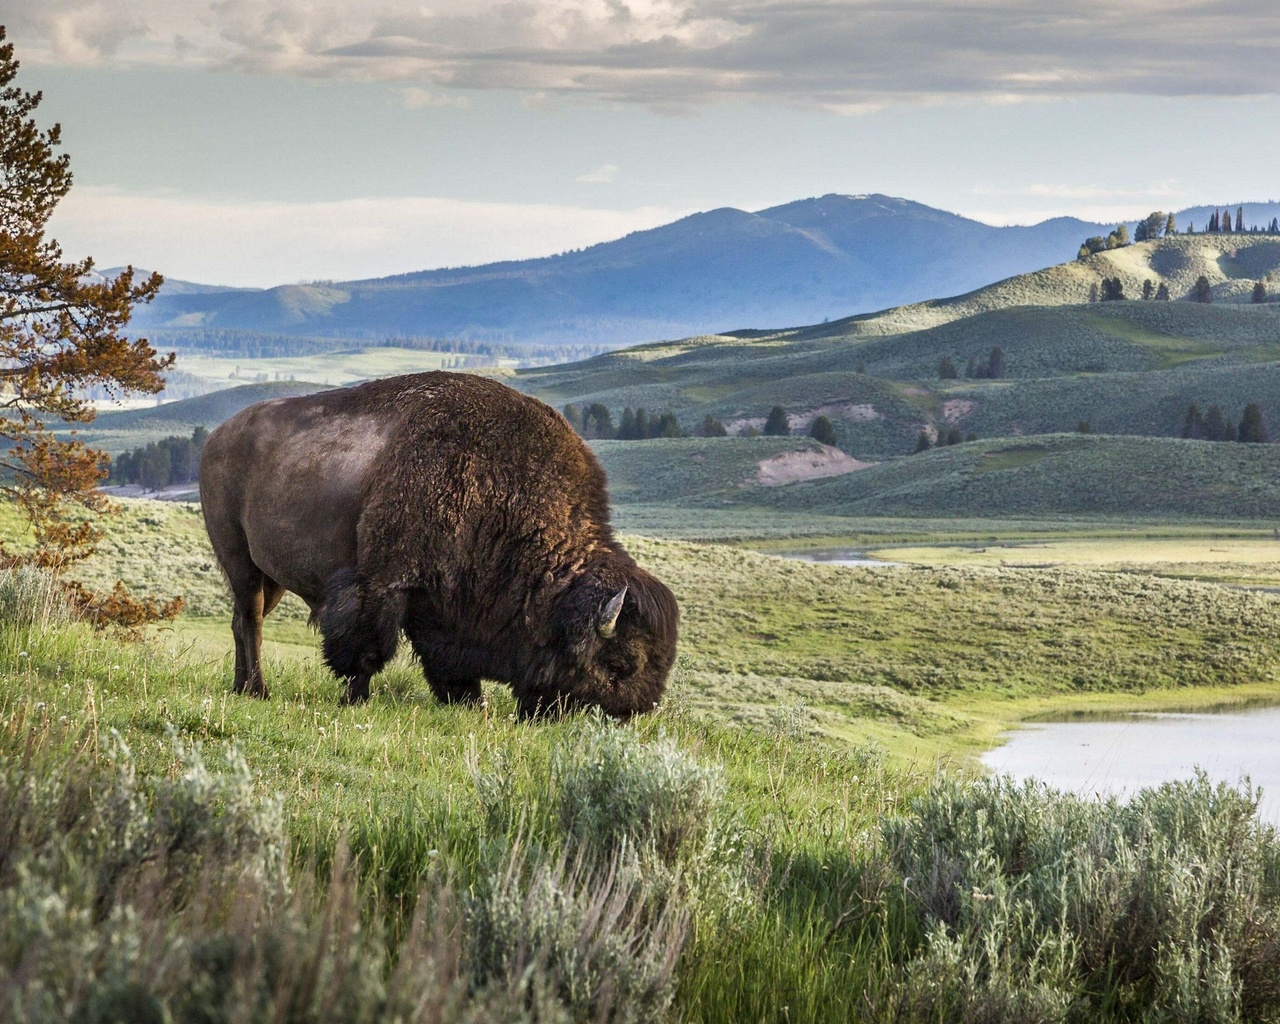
716, 270
1045, 475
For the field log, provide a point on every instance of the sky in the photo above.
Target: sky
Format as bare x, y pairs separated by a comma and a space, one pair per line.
259, 142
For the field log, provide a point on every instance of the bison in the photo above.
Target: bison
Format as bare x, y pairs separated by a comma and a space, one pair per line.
452, 508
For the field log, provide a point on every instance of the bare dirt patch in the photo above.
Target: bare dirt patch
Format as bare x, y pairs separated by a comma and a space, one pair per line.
792, 467
956, 409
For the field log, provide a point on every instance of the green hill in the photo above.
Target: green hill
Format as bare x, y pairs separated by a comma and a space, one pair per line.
118, 431
1057, 474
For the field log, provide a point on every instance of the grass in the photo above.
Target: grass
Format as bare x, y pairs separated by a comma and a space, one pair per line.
751, 847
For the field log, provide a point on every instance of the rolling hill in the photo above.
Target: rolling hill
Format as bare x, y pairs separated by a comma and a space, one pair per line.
717, 270
1125, 367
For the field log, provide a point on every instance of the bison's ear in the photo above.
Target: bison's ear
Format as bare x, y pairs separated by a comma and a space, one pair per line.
608, 621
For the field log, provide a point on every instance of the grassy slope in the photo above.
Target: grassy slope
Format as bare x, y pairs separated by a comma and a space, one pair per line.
871, 653
1051, 475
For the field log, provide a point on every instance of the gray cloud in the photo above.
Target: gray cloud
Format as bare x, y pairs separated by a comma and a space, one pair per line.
841, 54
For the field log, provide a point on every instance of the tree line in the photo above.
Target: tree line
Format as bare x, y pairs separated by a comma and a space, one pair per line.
992, 368
595, 422
1214, 426
171, 460
1159, 224
1112, 290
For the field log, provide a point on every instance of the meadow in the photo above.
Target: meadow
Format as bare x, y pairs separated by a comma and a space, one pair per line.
797, 834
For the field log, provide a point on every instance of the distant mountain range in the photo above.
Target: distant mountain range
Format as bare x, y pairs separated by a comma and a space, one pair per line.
710, 272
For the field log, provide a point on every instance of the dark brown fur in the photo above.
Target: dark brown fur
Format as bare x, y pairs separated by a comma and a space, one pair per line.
448, 506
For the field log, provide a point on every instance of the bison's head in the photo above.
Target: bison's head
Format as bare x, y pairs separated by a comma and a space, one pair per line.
617, 641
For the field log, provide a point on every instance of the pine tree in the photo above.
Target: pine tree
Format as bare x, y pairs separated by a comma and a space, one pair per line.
953, 437
1093, 292
822, 431
574, 416
627, 425
1083, 427
1193, 423
712, 427
1171, 226
1240, 218
1259, 293
923, 443
1162, 293
1215, 424
60, 336
995, 364
641, 427
776, 425
1148, 289
1112, 289
1253, 426
1202, 292
947, 369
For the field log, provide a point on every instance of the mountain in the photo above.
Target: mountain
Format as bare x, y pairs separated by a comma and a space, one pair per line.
713, 271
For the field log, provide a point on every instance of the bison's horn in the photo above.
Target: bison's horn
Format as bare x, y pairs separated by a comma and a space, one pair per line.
609, 617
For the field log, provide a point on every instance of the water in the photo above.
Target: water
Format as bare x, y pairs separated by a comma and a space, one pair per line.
836, 556
1126, 753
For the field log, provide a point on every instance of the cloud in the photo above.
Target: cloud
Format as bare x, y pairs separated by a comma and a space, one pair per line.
847, 56
414, 98
269, 243
602, 175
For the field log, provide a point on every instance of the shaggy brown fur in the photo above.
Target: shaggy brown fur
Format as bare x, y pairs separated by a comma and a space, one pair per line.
448, 506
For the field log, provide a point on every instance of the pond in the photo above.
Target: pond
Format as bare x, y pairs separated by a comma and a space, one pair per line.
1125, 753
835, 556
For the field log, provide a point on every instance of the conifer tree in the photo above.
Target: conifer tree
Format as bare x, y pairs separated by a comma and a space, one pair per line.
947, 369
574, 417
1193, 423
822, 431
1240, 218
1148, 289
1253, 426
777, 425
712, 427
1171, 226
1215, 424
61, 333
923, 443
627, 425
1259, 293
1202, 291
1162, 293
995, 363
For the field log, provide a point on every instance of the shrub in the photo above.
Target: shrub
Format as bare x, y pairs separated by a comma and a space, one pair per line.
615, 789
587, 936
31, 598
1034, 901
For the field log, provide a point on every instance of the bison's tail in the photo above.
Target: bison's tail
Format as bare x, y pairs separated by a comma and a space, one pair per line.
360, 628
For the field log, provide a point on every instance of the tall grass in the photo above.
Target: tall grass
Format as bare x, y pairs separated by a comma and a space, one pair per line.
166, 854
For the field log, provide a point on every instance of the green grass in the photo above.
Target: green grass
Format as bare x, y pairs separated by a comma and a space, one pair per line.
766, 823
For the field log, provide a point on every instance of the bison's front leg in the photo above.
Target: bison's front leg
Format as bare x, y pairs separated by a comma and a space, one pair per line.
360, 630
455, 691
357, 690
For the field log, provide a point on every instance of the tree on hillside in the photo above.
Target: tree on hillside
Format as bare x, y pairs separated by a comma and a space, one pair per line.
627, 425
1253, 426
1084, 427
1275, 226
1162, 293
992, 369
1202, 291
1259, 293
1150, 227
1216, 427
61, 334
1148, 290
712, 427
1171, 226
1117, 239
574, 417
1112, 289
822, 431
1193, 423
947, 369
777, 425
1240, 218
923, 442
597, 422
1093, 294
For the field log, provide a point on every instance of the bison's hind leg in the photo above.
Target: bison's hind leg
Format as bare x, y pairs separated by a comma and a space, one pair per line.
360, 631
